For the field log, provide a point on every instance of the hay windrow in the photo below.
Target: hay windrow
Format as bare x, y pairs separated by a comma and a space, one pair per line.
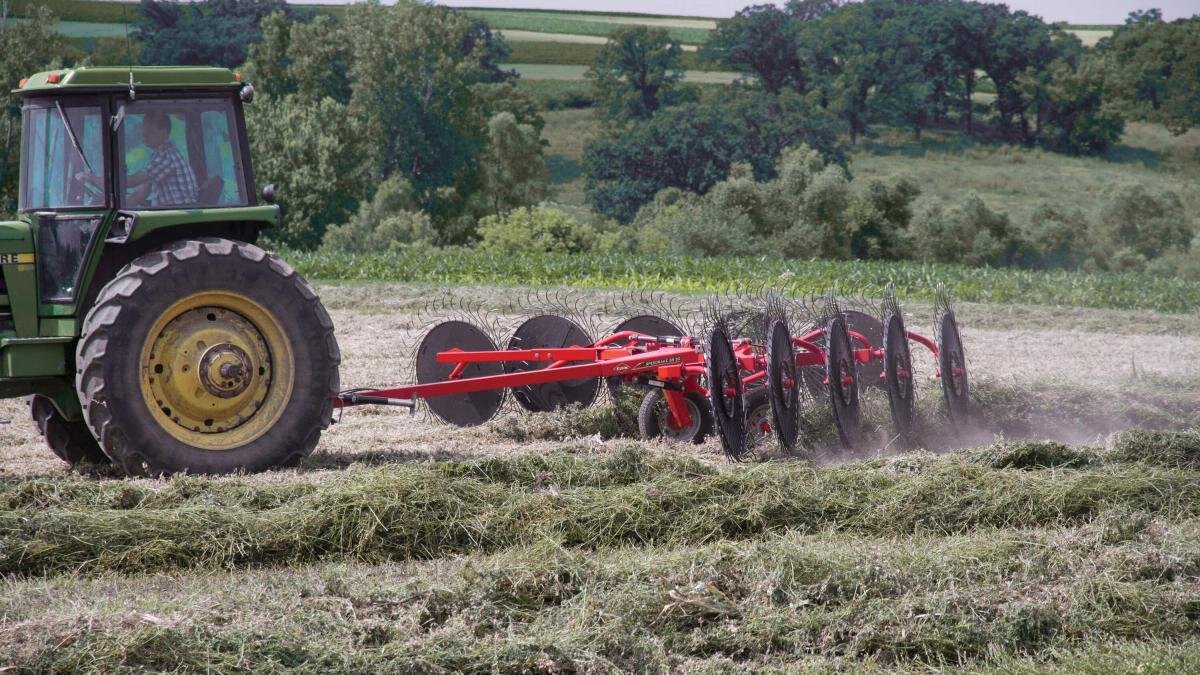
1033, 455
377, 515
1157, 448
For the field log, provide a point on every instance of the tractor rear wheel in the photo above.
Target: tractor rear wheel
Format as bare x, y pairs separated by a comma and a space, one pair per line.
210, 356
70, 440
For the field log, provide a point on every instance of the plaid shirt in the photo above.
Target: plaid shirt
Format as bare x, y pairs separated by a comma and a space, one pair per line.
171, 177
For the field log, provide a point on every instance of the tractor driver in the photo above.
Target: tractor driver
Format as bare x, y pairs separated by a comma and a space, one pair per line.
168, 175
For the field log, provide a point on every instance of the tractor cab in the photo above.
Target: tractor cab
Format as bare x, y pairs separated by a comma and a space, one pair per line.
105, 150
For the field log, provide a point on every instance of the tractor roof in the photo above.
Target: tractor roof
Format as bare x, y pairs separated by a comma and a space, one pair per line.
68, 80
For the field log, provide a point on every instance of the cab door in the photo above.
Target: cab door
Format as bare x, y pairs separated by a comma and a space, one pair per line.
66, 191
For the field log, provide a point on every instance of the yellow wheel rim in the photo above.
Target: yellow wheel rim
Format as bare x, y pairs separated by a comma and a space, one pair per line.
216, 370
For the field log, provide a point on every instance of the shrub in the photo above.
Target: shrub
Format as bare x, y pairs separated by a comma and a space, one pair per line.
1139, 225
549, 228
812, 210
1055, 238
969, 233
683, 223
388, 222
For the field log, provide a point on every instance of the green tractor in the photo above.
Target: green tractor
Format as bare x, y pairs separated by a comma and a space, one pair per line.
136, 311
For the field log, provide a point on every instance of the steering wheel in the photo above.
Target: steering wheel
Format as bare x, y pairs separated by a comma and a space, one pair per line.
83, 191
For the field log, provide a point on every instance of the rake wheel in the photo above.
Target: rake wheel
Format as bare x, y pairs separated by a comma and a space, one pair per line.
898, 376
783, 384
841, 373
952, 363
865, 325
550, 331
463, 410
725, 393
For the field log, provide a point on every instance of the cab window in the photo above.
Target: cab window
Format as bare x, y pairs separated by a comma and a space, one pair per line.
180, 153
63, 151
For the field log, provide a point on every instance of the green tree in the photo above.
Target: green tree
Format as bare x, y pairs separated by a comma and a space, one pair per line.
1016, 42
763, 41
413, 69
214, 32
1154, 69
635, 70
693, 146
421, 84
873, 66
311, 58
1067, 107
312, 152
512, 170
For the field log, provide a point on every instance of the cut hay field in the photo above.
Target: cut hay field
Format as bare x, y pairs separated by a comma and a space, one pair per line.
557, 543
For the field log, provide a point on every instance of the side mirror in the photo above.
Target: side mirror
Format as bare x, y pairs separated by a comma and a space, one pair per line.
247, 93
268, 193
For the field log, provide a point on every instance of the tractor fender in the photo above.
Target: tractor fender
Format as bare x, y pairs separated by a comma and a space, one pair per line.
129, 226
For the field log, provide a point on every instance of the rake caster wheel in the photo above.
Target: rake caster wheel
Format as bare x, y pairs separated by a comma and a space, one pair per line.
952, 363
462, 410
758, 417
72, 442
783, 385
556, 332
898, 375
654, 418
726, 394
842, 375
646, 324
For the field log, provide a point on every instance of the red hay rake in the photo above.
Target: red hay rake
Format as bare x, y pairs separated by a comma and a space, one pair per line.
735, 385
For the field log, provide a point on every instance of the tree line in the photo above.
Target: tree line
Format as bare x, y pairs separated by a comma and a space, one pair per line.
397, 126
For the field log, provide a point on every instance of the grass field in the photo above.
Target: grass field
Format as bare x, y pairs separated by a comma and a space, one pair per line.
574, 73
686, 31
1016, 180
1090, 37
581, 54
569, 546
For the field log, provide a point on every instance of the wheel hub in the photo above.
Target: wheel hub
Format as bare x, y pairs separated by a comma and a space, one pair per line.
225, 370
208, 370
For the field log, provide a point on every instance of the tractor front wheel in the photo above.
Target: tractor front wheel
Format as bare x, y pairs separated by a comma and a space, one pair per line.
70, 440
210, 357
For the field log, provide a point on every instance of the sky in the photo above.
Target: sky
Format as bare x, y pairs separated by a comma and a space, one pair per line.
1071, 11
